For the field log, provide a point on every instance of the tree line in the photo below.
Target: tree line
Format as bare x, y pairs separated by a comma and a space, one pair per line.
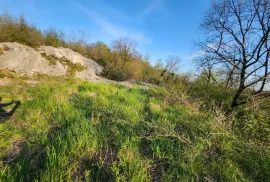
121, 60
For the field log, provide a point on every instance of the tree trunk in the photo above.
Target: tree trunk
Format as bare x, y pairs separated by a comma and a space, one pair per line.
229, 79
236, 97
241, 86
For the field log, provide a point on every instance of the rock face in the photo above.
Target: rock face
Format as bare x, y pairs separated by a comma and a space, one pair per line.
47, 60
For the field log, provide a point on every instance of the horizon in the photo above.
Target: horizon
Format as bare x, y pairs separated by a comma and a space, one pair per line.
161, 28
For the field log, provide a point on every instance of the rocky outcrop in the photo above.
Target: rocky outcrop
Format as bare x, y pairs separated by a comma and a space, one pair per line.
47, 60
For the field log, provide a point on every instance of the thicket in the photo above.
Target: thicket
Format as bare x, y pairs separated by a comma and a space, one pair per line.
18, 30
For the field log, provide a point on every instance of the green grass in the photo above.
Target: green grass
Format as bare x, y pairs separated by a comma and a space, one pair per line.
70, 130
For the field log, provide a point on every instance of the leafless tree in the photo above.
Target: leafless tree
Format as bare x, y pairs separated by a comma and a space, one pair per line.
125, 48
172, 63
171, 68
205, 64
237, 34
231, 75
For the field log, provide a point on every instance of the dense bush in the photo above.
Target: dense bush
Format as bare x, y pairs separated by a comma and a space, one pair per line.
99, 52
116, 73
54, 38
18, 30
210, 95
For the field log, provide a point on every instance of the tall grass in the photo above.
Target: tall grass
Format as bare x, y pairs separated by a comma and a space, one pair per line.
71, 130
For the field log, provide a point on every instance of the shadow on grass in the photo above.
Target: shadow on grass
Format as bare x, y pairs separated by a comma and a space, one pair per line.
30, 162
4, 115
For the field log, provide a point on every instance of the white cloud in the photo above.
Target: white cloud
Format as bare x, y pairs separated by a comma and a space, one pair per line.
114, 31
153, 6
196, 55
200, 53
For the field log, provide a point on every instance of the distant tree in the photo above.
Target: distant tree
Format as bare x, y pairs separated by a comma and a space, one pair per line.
237, 34
99, 52
159, 64
125, 48
53, 37
77, 41
18, 30
172, 63
171, 68
205, 65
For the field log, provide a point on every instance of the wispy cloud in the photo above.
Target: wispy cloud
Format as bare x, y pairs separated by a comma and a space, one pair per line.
200, 53
152, 6
196, 55
113, 30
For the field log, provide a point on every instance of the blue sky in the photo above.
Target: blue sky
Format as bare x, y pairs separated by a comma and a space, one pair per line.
162, 27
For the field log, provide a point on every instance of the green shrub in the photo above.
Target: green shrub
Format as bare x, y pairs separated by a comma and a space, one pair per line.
18, 30
116, 73
54, 38
210, 95
253, 125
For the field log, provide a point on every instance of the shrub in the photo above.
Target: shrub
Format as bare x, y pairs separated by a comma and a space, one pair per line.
54, 38
18, 30
210, 95
116, 73
253, 124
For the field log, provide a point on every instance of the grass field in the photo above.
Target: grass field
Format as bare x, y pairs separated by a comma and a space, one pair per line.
71, 130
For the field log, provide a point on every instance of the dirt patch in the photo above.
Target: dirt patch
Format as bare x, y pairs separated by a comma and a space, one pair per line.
14, 151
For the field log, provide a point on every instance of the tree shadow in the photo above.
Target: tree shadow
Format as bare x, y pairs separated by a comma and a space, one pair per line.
5, 115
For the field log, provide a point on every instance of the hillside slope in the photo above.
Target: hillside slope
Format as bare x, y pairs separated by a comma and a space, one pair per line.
71, 130
47, 60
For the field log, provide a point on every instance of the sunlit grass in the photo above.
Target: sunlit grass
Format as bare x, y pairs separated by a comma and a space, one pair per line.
70, 130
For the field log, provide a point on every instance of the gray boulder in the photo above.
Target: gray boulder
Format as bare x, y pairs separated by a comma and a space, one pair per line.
47, 60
